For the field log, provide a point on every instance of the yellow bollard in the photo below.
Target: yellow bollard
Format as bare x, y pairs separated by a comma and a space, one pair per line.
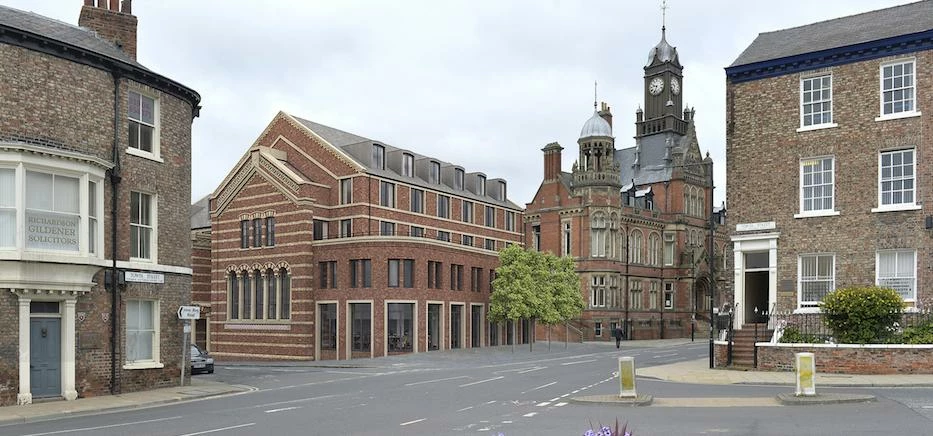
627, 377
806, 374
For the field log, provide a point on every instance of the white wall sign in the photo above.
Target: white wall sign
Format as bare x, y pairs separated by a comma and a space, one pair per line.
748, 227
144, 277
52, 231
189, 312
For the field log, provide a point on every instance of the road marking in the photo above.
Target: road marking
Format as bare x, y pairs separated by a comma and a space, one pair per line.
282, 409
465, 408
437, 380
481, 381
554, 399
506, 422
540, 387
530, 414
219, 429
926, 407
663, 355
579, 361
412, 422
560, 404
490, 401
532, 369
105, 426
543, 403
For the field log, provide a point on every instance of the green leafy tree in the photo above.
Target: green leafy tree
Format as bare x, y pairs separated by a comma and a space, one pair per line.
862, 314
534, 286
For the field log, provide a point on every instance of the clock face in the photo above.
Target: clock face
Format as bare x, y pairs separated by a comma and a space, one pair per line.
675, 86
656, 86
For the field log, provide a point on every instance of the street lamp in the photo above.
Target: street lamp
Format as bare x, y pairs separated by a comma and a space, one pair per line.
716, 218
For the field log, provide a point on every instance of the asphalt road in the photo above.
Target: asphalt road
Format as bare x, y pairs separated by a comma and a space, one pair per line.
492, 391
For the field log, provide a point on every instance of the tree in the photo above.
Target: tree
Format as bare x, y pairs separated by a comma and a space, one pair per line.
534, 286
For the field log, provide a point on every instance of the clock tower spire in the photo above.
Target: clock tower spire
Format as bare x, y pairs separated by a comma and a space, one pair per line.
663, 88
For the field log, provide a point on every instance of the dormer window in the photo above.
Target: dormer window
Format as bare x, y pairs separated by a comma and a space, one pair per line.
379, 157
481, 189
502, 191
458, 179
434, 176
408, 165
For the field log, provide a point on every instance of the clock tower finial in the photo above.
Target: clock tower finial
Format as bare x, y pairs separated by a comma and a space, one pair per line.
595, 98
663, 16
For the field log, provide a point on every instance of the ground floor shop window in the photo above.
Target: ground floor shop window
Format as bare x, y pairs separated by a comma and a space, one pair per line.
328, 323
399, 329
360, 326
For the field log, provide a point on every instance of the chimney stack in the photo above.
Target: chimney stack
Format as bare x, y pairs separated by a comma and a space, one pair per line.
552, 161
112, 21
605, 113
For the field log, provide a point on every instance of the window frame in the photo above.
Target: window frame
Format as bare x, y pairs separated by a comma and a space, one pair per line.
152, 227
155, 152
379, 157
154, 359
408, 164
913, 277
912, 205
913, 90
386, 194
801, 279
445, 208
416, 202
802, 187
466, 211
822, 125
346, 191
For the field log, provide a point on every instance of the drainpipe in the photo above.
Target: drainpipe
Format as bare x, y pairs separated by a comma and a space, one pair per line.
115, 177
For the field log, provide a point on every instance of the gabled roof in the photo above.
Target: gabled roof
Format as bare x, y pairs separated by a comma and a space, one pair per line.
840, 32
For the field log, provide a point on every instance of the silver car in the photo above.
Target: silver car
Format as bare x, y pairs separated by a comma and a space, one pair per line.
201, 361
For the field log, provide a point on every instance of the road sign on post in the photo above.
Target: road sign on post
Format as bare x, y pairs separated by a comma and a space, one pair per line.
189, 312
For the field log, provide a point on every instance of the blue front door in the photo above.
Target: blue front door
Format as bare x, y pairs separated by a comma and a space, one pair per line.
45, 357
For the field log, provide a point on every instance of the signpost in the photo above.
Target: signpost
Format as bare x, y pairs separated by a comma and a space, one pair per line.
186, 313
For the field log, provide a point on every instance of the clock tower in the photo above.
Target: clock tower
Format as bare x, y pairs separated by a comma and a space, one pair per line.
663, 92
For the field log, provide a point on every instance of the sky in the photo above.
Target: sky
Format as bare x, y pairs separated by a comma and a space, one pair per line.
484, 84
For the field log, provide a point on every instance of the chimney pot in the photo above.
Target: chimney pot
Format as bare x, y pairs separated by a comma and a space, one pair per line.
127, 7
114, 5
88, 2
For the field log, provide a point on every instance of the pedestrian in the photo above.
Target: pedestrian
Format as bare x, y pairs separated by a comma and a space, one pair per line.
617, 333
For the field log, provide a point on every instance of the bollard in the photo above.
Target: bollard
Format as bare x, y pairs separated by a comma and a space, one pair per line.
806, 374
627, 377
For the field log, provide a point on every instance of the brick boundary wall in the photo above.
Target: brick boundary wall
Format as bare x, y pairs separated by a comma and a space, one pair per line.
843, 358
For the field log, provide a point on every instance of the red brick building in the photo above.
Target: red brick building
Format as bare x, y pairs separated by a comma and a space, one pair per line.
828, 126
95, 178
635, 219
329, 245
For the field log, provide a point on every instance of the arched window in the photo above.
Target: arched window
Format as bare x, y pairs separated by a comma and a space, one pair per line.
635, 247
598, 233
654, 249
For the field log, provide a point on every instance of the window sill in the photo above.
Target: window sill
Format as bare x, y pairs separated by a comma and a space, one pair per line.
816, 214
140, 260
817, 127
144, 154
143, 365
898, 116
897, 208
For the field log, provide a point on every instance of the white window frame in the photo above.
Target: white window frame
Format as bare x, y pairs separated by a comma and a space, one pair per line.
898, 275
636, 297
913, 112
598, 291
566, 238
803, 104
386, 194
346, 191
153, 227
155, 360
598, 233
408, 164
669, 246
803, 186
911, 205
636, 239
818, 278
668, 295
156, 153
8, 207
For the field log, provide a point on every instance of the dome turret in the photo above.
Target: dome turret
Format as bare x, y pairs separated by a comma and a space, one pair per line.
596, 126
663, 52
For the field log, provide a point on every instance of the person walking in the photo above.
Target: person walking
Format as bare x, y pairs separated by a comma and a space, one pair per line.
617, 333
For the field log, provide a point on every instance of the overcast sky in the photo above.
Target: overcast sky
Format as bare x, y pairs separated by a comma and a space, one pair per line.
484, 84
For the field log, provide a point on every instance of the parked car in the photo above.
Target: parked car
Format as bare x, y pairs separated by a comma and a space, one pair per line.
201, 361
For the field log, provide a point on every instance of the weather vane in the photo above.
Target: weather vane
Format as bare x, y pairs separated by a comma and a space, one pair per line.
663, 13
594, 95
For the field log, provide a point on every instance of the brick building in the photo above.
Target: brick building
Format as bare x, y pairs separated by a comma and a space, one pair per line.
95, 162
636, 219
828, 126
328, 245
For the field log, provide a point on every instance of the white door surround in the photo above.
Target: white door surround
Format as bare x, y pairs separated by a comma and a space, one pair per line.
753, 243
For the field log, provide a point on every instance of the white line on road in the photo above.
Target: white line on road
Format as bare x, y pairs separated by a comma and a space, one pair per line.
540, 387
579, 361
664, 355
436, 380
554, 399
560, 404
219, 429
105, 426
481, 381
282, 409
412, 422
465, 408
532, 369
530, 414
543, 403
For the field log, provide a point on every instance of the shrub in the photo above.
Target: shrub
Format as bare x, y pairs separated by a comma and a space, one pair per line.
918, 334
862, 314
793, 335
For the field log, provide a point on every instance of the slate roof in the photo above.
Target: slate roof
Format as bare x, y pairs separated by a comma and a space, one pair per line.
63, 32
840, 32
345, 141
652, 165
200, 213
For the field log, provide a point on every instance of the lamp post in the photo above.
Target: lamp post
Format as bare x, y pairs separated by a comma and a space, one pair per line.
715, 218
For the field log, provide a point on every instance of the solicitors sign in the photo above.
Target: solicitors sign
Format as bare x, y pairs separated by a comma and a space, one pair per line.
52, 231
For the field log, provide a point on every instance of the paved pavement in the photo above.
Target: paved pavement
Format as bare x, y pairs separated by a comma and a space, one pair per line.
694, 371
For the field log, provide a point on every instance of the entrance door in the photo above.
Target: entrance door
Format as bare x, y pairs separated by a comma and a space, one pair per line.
456, 325
434, 326
756, 296
476, 323
45, 350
